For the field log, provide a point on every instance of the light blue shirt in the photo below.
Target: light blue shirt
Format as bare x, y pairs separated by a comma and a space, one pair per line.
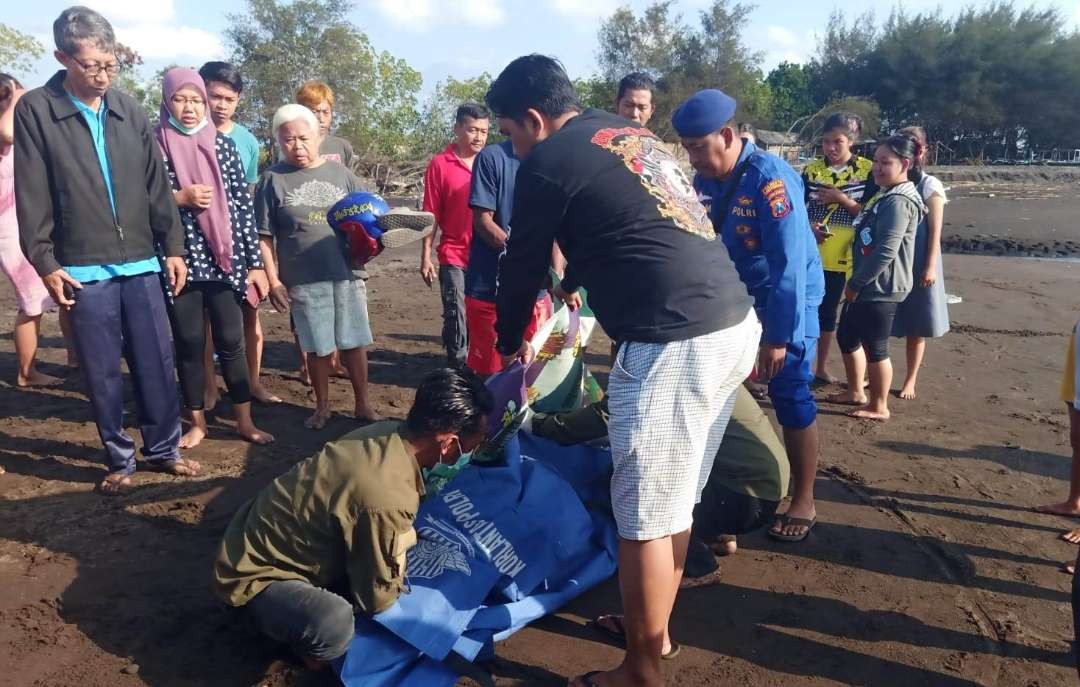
88, 273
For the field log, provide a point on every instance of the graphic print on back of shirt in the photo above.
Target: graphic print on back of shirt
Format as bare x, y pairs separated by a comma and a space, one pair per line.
646, 156
315, 194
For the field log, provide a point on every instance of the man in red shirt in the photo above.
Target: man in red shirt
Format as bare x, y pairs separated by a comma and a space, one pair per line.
446, 195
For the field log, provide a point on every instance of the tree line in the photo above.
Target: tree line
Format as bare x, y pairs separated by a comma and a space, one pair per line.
988, 82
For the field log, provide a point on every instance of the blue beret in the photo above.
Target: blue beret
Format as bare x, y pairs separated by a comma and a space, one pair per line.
703, 113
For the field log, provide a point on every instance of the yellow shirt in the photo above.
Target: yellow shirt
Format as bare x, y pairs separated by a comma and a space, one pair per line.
853, 180
346, 512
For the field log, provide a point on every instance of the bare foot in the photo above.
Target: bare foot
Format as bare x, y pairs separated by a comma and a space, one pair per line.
868, 414
2, 471
1064, 508
364, 413
908, 392
824, 377
35, 378
1072, 536
318, 420
848, 398
725, 545
193, 437
263, 396
1069, 568
115, 484
340, 372
254, 434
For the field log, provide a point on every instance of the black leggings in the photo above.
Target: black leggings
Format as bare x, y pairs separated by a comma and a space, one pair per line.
834, 291
222, 304
866, 324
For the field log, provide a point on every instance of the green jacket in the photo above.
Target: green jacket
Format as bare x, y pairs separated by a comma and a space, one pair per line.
345, 513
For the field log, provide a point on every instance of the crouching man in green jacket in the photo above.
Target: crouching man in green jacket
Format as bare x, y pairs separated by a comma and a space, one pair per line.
342, 520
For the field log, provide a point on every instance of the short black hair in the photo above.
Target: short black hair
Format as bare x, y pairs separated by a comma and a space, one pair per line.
536, 82
224, 72
470, 110
636, 81
449, 400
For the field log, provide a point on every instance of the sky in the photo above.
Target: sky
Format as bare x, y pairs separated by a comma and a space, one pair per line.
441, 38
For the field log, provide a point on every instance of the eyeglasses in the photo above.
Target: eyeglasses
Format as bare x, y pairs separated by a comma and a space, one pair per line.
197, 102
93, 69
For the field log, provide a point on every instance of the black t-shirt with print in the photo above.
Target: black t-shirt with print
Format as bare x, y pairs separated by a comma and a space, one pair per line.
633, 232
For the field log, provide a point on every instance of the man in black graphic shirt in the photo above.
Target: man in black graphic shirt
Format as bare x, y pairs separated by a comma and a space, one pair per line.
662, 285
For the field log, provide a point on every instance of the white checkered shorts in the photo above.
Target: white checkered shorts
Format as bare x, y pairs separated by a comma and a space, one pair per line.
669, 405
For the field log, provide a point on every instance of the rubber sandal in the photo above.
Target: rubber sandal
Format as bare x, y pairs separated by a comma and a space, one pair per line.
785, 520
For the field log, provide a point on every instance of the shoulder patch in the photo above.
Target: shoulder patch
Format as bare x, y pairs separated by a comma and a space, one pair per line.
776, 197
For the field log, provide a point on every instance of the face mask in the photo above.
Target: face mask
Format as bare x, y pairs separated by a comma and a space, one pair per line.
174, 123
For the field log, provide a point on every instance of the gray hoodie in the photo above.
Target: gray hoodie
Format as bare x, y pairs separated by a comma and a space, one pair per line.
884, 249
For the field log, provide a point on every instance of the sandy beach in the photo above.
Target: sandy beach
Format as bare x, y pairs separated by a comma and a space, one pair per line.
927, 566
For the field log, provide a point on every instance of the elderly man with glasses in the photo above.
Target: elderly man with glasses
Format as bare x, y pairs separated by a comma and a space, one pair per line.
98, 222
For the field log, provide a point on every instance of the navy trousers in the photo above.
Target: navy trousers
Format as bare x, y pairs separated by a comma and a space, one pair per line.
125, 317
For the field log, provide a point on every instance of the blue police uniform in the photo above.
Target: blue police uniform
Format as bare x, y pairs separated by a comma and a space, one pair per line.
767, 232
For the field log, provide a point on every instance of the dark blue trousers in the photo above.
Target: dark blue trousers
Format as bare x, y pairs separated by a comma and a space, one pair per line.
125, 317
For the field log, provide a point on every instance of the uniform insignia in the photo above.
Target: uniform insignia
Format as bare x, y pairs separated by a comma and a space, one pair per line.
742, 229
745, 201
776, 196
750, 243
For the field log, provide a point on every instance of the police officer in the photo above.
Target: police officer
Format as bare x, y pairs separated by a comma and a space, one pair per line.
755, 203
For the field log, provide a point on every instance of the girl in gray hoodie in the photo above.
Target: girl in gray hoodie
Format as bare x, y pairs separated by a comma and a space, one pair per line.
882, 277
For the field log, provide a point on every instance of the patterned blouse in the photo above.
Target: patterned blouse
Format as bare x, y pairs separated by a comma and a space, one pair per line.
246, 255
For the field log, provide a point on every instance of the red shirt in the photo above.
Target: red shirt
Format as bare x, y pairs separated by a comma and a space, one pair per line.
446, 195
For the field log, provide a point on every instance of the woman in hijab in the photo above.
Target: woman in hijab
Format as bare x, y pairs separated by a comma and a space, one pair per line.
223, 258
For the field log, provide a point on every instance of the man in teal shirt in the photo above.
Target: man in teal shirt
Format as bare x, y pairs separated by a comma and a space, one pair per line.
224, 86
95, 210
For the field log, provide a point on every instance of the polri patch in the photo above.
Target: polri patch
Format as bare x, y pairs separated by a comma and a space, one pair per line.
776, 197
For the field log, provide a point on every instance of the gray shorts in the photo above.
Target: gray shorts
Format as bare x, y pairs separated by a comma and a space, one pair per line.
669, 405
331, 315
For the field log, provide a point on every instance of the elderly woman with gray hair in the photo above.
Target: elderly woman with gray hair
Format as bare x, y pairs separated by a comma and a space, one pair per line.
312, 276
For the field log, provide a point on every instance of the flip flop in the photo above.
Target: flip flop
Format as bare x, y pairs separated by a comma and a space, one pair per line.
785, 520
619, 636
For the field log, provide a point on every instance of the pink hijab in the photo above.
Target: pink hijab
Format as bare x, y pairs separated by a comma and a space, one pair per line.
194, 160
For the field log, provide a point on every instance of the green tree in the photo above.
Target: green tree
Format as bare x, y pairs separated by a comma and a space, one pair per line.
684, 58
18, 50
280, 44
792, 98
597, 92
435, 124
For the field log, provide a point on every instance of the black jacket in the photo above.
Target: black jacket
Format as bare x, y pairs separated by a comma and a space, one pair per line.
61, 199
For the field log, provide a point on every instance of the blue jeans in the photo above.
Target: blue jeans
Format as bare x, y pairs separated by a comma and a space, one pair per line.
315, 622
125, 317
